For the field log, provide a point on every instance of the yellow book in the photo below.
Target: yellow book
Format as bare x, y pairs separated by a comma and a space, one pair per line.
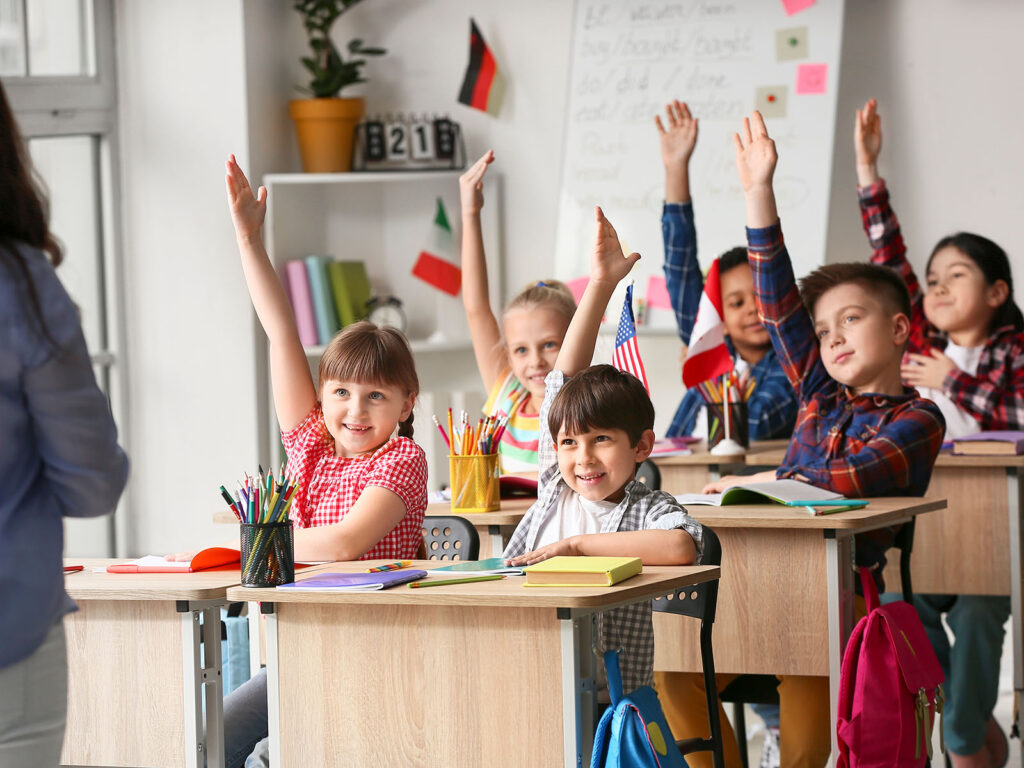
582, 571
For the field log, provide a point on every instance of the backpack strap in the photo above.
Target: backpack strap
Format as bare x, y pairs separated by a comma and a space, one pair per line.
611, 667
867, 583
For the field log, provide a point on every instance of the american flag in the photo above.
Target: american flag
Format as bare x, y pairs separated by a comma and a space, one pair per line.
626, 356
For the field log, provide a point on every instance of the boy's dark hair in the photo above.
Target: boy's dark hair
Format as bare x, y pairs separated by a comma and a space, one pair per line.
882, 281
734, 257
602, 397
994, 265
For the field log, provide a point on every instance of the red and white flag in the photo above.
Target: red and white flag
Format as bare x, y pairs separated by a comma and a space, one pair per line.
626, 356
708, 356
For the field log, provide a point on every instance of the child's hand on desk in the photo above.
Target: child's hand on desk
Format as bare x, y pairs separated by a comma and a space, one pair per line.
607, 262
247, 212
471, 184
724, 482
565, 547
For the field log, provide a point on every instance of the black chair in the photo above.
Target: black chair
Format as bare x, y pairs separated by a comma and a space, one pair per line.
450, 538
699, 603
764, 689
649, 474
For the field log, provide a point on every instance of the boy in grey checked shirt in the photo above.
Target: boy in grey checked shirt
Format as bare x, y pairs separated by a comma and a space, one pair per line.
594, 430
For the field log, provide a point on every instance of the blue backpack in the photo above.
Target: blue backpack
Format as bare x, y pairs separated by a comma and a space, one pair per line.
632, 732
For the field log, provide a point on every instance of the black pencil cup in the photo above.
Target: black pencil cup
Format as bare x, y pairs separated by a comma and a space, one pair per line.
268, 554
738, 423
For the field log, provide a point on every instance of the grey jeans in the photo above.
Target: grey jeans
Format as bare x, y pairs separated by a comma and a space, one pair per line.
34, 705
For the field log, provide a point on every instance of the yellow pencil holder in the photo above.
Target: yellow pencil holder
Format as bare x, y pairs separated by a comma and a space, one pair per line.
474, 482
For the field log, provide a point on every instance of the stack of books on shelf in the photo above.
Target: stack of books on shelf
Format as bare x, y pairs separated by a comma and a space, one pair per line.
326, 296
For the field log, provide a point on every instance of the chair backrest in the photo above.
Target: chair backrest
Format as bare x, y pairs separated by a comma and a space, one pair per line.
649, 474
450, 538
697, 602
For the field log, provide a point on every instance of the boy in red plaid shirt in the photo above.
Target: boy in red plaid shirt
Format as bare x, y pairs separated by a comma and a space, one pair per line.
859, 431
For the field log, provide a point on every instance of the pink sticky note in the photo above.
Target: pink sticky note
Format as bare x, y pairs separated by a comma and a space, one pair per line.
577, 287
795, 6
657, 293
811, 78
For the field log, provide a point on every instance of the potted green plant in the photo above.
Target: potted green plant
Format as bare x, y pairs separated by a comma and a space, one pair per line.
325, 124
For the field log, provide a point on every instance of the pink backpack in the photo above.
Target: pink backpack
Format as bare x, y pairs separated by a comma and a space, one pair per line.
889, 689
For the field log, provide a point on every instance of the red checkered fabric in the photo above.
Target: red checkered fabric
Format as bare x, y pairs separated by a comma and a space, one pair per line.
329, 485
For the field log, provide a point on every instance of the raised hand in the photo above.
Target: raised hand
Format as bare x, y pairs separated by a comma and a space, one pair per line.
867, 142
247, 212
755, 154
679, 139
607, 262
471, 184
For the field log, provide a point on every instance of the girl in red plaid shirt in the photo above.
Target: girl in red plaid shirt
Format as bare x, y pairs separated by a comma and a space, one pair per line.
966, 353
362, 486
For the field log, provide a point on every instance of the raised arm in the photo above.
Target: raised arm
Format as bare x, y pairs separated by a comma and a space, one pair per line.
483, 326
778, 300
683, 278
608, 266
294, 391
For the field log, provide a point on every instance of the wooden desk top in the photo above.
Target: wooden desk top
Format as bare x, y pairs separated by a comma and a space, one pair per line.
701, 457
774, 457
508, 592
880, 511
511, 512
86, 585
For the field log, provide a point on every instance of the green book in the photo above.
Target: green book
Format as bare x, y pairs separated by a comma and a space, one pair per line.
492, 565
351, 288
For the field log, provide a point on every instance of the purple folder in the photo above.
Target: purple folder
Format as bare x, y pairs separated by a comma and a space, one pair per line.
355, 582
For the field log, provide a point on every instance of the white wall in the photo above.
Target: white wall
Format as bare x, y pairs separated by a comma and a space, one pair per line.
944, 69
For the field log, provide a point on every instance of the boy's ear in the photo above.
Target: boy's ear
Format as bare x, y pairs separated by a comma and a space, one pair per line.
644, 445
900, 329
997, 293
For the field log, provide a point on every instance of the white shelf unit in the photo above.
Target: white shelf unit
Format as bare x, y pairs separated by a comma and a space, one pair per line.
385, 220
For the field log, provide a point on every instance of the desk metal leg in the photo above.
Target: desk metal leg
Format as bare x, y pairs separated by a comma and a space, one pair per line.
273, 685
204, 741
578, 691
838, 562
1015, 507
254, 638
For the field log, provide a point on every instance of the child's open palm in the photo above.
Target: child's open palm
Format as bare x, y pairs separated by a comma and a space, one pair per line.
867, 134
755, 153
679, 139
607, 262
471, 184
247, 212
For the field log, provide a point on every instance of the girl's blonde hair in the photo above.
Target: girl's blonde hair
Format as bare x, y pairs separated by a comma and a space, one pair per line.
553, 294
367, 354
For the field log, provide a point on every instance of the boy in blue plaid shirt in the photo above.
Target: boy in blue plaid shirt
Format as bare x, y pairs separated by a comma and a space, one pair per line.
859, 431
594, 431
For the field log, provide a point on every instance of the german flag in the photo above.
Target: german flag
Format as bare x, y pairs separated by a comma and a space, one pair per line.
480, 74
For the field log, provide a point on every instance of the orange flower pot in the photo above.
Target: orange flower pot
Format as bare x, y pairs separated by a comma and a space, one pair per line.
326, 130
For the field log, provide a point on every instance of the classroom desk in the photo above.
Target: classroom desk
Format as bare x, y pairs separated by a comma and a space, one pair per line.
407, 677
136, 675
785, 604
982, 557
690, 472
495, 528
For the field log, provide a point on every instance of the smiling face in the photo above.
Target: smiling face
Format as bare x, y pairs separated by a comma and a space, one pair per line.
533, 337
861, 339
362, 417
598, 463
958, 299
739, 313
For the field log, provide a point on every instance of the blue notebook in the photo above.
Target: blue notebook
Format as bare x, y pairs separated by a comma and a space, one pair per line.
354, 582
491, 565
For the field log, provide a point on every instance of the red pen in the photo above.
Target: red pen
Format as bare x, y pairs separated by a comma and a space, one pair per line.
73, 568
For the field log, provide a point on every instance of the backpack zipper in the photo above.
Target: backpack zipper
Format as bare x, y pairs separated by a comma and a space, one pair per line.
940, 704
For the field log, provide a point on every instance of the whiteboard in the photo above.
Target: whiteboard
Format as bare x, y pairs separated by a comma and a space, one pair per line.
723, 57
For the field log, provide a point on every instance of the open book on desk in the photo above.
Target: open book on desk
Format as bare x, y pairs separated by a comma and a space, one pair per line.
792, 493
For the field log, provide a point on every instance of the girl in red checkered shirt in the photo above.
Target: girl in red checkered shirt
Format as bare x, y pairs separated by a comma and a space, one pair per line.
362, 480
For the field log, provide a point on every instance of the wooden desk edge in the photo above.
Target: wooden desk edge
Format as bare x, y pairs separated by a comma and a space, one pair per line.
854, 520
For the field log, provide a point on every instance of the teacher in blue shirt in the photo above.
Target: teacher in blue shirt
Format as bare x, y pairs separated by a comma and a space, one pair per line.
58, 457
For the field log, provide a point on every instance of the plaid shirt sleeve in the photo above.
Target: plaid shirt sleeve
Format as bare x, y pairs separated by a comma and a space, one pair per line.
782, 312
304, 446
995, 398
773, 406
683, 277
896, 461
888, 250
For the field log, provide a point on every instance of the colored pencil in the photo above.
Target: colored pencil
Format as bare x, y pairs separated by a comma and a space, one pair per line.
467, 580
